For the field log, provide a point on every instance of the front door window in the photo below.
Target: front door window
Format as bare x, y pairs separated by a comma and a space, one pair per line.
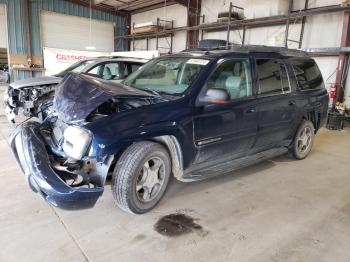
233, 76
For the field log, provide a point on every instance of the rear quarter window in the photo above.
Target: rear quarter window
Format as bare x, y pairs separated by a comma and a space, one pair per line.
307, 74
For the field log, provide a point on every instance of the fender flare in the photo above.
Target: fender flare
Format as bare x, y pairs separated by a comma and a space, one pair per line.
174, 148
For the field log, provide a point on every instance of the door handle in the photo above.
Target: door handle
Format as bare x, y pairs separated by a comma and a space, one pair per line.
291, 103
251, 110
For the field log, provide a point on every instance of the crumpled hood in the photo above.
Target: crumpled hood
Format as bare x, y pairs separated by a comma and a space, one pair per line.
37, 81
80, 94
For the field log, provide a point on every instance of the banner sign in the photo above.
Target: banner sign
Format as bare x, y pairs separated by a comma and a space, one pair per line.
56, 60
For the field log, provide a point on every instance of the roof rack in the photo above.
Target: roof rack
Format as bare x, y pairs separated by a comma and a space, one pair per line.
251, 48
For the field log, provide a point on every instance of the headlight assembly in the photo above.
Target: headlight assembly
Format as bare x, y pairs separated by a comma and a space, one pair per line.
76, 141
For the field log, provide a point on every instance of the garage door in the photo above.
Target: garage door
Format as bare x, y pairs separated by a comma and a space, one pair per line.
3, 34
71, 32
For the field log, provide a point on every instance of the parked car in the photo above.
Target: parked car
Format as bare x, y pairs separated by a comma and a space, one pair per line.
193, 115
32, 96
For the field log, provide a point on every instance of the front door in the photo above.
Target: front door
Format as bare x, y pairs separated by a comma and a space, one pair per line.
226, 131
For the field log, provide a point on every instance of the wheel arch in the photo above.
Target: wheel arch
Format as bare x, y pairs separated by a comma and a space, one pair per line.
314, 117
172, 145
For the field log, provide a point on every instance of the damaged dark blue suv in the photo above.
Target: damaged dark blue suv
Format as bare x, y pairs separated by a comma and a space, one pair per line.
193, 115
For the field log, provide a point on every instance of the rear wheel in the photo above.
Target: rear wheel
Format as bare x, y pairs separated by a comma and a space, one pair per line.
141, 176
303, 140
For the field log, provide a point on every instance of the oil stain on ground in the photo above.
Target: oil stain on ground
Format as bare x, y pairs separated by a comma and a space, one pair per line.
178, 224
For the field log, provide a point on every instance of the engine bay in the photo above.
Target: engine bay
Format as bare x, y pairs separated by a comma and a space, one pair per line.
120, 104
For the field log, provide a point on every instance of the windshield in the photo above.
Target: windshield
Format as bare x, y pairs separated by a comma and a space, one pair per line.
170, 75
76, 67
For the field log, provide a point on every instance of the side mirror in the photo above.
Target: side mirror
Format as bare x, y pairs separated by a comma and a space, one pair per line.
215, 96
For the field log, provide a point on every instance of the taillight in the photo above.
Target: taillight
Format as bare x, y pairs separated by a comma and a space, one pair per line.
333, 91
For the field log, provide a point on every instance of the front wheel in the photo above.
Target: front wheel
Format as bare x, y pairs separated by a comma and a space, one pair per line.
303, 141
141, 176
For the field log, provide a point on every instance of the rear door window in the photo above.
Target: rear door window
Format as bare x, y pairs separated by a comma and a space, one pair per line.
272, 76
130, 67
307, 74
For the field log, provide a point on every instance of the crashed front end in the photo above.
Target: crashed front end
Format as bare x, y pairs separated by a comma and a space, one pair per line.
58, 156
63, 185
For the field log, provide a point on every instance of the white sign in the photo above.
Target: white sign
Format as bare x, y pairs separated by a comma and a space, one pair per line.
198, 61
56, 60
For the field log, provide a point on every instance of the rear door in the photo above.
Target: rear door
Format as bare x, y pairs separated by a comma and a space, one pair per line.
275, 103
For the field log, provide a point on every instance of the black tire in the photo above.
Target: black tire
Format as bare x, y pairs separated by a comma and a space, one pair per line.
130, 172
298, 149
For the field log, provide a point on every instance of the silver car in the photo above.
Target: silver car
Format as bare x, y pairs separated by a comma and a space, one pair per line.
34, 95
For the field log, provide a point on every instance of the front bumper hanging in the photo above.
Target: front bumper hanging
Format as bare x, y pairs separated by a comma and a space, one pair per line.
29, 149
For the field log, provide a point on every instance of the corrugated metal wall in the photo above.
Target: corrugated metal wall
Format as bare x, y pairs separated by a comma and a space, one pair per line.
16, 32
15, 23
16, 26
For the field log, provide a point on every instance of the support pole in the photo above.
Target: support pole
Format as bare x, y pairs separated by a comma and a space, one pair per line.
345, 41
243, 37
303, 21
228, 25
288, 23
27, 30
203, 20
193, 20
157, 31
171, 37
133, 39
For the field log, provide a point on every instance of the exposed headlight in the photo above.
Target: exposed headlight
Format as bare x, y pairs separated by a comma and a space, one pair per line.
76, 141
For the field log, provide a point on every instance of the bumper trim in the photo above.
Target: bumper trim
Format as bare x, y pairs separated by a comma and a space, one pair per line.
33, 159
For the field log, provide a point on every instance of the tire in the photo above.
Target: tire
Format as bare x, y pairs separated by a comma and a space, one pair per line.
303, 140
137, 182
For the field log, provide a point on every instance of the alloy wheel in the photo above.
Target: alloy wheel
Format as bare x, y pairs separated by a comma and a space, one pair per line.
150, 180
304, 140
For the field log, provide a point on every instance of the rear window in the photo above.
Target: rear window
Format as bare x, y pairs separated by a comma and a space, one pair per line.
307, 74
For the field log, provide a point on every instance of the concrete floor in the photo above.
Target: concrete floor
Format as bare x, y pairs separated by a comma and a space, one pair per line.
279, 210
